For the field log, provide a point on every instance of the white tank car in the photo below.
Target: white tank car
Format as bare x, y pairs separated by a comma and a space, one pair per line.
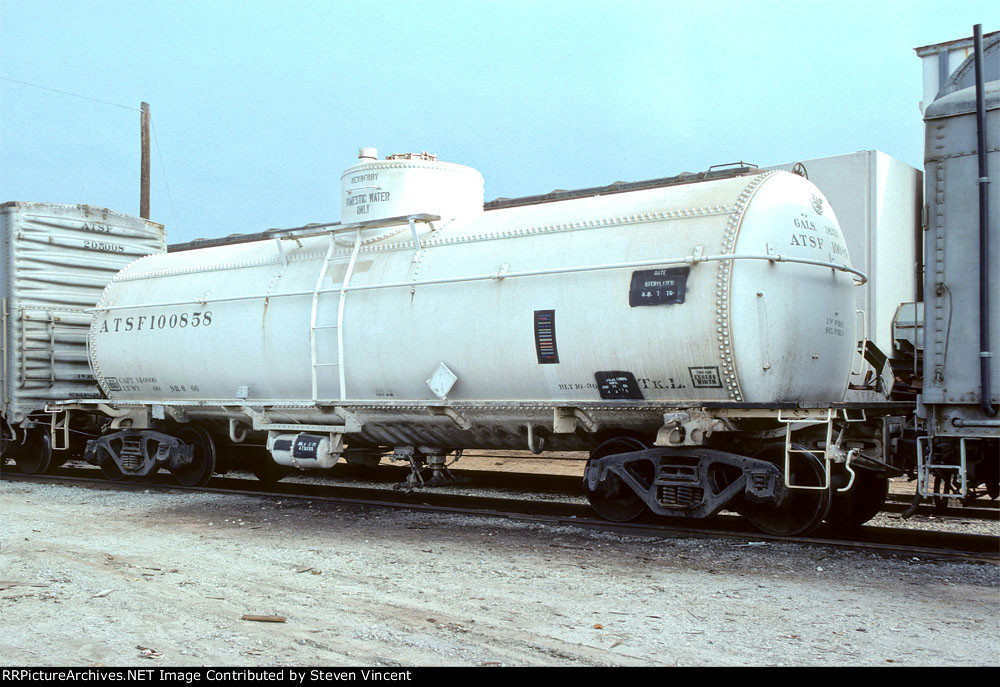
662, 295
422, 324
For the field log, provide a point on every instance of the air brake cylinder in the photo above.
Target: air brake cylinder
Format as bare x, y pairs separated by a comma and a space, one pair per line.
305, 450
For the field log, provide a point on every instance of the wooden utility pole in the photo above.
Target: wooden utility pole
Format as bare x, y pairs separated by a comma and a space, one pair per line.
144, 182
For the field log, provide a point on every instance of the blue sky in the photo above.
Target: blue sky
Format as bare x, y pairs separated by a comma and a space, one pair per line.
258, 106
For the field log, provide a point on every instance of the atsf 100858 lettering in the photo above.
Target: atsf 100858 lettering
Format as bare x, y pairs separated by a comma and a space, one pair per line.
149, 322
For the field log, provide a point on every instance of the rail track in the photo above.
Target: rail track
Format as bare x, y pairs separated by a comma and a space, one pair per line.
569, 485
925, 544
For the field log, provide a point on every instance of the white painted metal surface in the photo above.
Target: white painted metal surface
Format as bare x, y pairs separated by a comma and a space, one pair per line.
877, 199
408, 184
661, 294
55, 262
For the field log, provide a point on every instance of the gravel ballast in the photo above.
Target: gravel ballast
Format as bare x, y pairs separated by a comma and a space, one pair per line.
118, 578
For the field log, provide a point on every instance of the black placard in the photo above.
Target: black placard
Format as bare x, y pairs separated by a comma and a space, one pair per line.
658, 287
545, 337
306, 446
618, 384
705, 377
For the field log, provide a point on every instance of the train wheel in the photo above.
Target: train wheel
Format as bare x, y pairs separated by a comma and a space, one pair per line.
854, 508
34, 456
201, 467
802, 510
613, 499
6, 442
107, 464
110, 470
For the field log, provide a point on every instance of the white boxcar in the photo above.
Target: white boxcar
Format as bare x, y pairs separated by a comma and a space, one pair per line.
56, 261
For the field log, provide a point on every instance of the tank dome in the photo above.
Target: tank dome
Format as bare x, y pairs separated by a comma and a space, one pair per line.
408, 184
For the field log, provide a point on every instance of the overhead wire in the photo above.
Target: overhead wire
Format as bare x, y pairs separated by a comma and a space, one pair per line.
159, 151
75, 95
159, 154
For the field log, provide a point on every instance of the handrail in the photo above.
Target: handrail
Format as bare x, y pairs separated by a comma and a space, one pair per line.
859, 278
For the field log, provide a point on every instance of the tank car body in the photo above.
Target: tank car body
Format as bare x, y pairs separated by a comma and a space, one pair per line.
537, 303
666, 321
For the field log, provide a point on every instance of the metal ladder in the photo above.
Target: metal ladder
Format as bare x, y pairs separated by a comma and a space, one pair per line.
824, 455
59, 429
926, 466
831, 415
318, 292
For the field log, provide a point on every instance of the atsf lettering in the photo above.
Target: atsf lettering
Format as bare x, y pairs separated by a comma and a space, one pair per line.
807, 241
140, 323
98, 228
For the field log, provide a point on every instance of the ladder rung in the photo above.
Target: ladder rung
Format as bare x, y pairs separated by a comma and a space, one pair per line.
325, 326
327, 364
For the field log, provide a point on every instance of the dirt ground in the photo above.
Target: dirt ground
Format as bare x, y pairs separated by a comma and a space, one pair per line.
90, 577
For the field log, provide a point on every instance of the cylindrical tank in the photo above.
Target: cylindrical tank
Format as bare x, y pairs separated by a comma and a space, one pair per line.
621, 297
